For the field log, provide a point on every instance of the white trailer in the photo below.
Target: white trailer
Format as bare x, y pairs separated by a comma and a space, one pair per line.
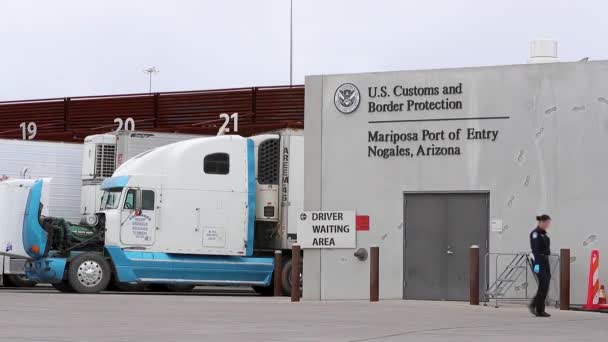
20, 159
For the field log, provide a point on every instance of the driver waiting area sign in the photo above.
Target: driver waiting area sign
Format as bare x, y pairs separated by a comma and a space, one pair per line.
327, 229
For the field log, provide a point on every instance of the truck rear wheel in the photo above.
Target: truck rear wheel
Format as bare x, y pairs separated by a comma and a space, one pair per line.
286, 277
18, 280
89, 273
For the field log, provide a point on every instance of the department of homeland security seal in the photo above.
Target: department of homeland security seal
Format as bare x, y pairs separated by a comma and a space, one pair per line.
347, 98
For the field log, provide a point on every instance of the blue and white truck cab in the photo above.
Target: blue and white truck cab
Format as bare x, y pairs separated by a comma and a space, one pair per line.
180, 215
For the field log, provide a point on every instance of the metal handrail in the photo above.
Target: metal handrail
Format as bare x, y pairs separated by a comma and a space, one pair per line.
500, 256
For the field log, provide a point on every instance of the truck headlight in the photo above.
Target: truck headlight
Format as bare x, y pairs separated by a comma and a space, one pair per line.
92, 220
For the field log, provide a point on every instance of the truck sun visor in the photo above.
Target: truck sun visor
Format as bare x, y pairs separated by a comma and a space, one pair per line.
115, 182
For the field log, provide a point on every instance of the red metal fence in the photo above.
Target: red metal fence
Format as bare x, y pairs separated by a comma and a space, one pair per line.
71, 119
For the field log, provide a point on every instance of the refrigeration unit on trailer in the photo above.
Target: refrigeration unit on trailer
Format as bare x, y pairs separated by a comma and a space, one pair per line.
22, 160
103, 153
279, 167
183, 214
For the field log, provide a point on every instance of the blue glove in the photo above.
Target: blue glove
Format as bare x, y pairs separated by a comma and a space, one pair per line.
536, 268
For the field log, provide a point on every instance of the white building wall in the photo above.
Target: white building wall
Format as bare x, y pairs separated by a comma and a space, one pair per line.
549, 157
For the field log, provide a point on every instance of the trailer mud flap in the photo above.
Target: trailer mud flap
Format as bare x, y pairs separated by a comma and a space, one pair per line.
158, 267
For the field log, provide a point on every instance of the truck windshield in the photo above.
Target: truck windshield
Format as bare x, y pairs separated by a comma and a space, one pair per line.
111, 198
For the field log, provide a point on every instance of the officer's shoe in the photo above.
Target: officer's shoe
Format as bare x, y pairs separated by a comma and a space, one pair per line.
543, 314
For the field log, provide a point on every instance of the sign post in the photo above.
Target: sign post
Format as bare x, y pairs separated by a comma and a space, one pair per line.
278, 269
295, 272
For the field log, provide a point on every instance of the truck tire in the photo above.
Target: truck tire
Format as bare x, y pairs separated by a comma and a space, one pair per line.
89, 273
64, 287
286, 277
18, 280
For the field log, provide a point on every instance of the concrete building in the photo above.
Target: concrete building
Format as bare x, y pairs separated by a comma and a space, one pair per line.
444, 159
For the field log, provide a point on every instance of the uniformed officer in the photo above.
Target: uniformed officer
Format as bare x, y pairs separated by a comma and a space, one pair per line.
540, 244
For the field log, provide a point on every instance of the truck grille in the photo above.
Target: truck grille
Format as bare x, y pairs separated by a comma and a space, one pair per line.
105, 160
268, 162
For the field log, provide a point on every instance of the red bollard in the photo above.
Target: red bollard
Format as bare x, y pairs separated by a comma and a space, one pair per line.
564, 281
474, 275
278, 269
374, 274
295, 272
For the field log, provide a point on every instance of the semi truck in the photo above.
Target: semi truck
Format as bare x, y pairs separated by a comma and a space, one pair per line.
76, 170
205, 211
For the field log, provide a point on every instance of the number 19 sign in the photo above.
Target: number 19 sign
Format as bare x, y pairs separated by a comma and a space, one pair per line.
327, 229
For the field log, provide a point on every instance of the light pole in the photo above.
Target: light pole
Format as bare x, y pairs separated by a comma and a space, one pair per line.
151, 71
290, 43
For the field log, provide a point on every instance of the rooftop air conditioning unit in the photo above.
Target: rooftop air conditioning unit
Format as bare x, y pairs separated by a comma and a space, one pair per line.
543, 51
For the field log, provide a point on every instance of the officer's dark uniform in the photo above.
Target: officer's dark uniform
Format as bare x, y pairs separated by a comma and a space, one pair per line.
540, 244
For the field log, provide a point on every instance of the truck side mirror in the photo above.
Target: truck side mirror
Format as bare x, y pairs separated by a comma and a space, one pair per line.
138, 201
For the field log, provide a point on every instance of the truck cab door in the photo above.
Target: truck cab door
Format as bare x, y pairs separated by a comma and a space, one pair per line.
138, 218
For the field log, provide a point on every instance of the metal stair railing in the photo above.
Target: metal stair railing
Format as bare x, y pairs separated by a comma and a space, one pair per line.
513, 271
519, 264
509, 276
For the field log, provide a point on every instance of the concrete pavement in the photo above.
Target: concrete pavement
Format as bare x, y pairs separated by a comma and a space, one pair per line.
50, 316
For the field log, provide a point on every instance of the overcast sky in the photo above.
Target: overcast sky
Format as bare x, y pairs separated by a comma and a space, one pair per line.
68, 48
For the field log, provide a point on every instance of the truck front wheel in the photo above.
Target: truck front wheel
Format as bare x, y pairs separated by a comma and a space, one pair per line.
89, 273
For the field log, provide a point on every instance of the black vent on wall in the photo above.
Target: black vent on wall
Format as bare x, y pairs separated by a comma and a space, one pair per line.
268, 162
